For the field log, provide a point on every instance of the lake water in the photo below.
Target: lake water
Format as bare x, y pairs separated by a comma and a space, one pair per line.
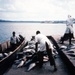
29, 29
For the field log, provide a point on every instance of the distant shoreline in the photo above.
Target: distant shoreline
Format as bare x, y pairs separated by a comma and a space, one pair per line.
33, 21
52, 22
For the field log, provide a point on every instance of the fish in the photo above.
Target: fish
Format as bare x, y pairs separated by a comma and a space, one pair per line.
63, 47
31, 66
21, 64
1, 56
73, 47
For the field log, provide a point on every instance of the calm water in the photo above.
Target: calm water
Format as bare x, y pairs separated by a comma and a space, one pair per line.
29, 29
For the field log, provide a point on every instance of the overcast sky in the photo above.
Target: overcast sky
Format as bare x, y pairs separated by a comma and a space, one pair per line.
36, 9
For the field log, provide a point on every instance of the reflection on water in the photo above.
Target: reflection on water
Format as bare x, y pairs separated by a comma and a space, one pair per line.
29, 29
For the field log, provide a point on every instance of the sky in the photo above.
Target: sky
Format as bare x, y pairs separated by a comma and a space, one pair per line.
36, 9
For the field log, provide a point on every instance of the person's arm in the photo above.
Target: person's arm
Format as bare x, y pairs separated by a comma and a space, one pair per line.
11, 40
72, 25
36, 46
72, 22
66, 23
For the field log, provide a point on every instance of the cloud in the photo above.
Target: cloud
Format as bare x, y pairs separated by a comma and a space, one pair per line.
36, 9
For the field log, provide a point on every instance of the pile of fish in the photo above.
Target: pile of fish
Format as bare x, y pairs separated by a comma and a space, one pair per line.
28, 57
2, 55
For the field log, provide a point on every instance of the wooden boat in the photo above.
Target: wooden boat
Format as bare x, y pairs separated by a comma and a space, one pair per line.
67, 53
7, 61
44, 70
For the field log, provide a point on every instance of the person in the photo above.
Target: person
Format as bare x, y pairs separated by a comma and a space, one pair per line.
31, 43
21, 38
69, 33
13, 40
41, 41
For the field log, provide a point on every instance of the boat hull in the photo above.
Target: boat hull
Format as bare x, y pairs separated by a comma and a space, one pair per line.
7, 61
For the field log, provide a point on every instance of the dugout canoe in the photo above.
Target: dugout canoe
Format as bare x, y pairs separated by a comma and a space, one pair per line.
45, 70
67, 53
8, 60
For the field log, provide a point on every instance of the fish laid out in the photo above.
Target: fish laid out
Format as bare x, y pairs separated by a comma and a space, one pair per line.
31, 66
30, 57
